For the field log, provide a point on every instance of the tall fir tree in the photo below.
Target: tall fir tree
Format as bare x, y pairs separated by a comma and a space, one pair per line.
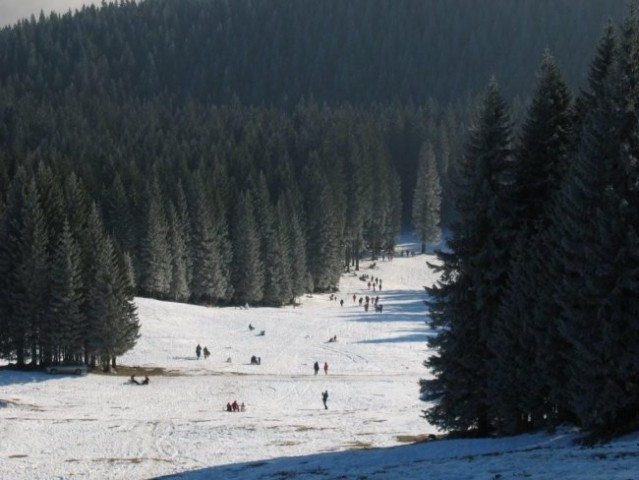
178, 286
65, 331
155, 256
427, 198
542, 159
322, 235
464, 302
247, 269
33, 271
595, 234
270, 247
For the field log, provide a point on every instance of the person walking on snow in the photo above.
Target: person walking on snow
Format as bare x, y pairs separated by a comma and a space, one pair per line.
325, 368
198, 351
325, 399
316, 367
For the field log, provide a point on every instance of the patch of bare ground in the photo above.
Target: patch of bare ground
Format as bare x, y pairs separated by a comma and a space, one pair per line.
359, 444
416, 438
126, 371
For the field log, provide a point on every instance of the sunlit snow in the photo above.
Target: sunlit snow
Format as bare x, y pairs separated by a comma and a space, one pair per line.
100, 426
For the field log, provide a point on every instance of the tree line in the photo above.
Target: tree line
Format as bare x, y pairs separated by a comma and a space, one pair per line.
66, 289
536, 308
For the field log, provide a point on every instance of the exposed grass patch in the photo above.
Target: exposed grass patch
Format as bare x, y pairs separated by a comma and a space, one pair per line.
133, 460
360, 444
305, 428
126, 371
416, 438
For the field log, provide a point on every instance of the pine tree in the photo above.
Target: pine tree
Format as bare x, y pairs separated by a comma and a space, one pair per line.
155, 256
178, 287
594, 230
96, 291
323, 242
285, 263
270, 247
247, 269
33, 271
547, 143
427, 198
9, 260
465, 300
301, 280
63, 337
115, 326
209, 283
545, 148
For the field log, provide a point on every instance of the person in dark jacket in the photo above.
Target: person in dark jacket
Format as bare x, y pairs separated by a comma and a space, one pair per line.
325, 399
316, 367
198, 351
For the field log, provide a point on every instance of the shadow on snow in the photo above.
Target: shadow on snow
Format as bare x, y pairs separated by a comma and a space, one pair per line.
15, 377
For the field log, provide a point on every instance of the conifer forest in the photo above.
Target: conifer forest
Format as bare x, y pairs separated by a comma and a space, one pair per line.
250, 151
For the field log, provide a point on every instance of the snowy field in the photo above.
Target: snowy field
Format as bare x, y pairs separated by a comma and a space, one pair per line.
102, 427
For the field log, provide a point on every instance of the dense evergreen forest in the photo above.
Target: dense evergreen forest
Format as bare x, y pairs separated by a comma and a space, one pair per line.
538, 304
225, 152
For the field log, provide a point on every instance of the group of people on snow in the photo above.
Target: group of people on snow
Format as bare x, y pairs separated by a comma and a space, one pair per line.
235, 407
375, 283
256, 360
136, 382
199, 351
316, 368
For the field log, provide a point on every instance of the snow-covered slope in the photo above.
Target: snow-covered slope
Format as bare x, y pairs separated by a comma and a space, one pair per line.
101, 427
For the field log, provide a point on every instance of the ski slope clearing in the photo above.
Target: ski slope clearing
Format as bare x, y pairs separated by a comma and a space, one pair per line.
101, 426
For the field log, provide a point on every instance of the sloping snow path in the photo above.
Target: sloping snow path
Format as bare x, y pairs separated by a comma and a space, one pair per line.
101, 427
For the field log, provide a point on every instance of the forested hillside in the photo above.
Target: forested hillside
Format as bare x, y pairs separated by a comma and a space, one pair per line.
275, 52
243, 151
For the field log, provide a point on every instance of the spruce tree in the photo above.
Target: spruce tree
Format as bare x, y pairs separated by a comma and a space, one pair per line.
427, 198
595, 234
13, 297
247, 269
546, 145
542, 158
464, 302
270, 247
178, 287
322, 235
33, 271
301, 280
155, 256
64, 335
209, 249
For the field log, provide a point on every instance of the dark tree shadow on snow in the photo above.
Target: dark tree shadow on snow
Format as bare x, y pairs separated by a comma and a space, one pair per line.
16, 377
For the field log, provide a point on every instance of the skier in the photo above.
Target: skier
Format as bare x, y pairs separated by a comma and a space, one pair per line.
325, 398
316, 367
198, 351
